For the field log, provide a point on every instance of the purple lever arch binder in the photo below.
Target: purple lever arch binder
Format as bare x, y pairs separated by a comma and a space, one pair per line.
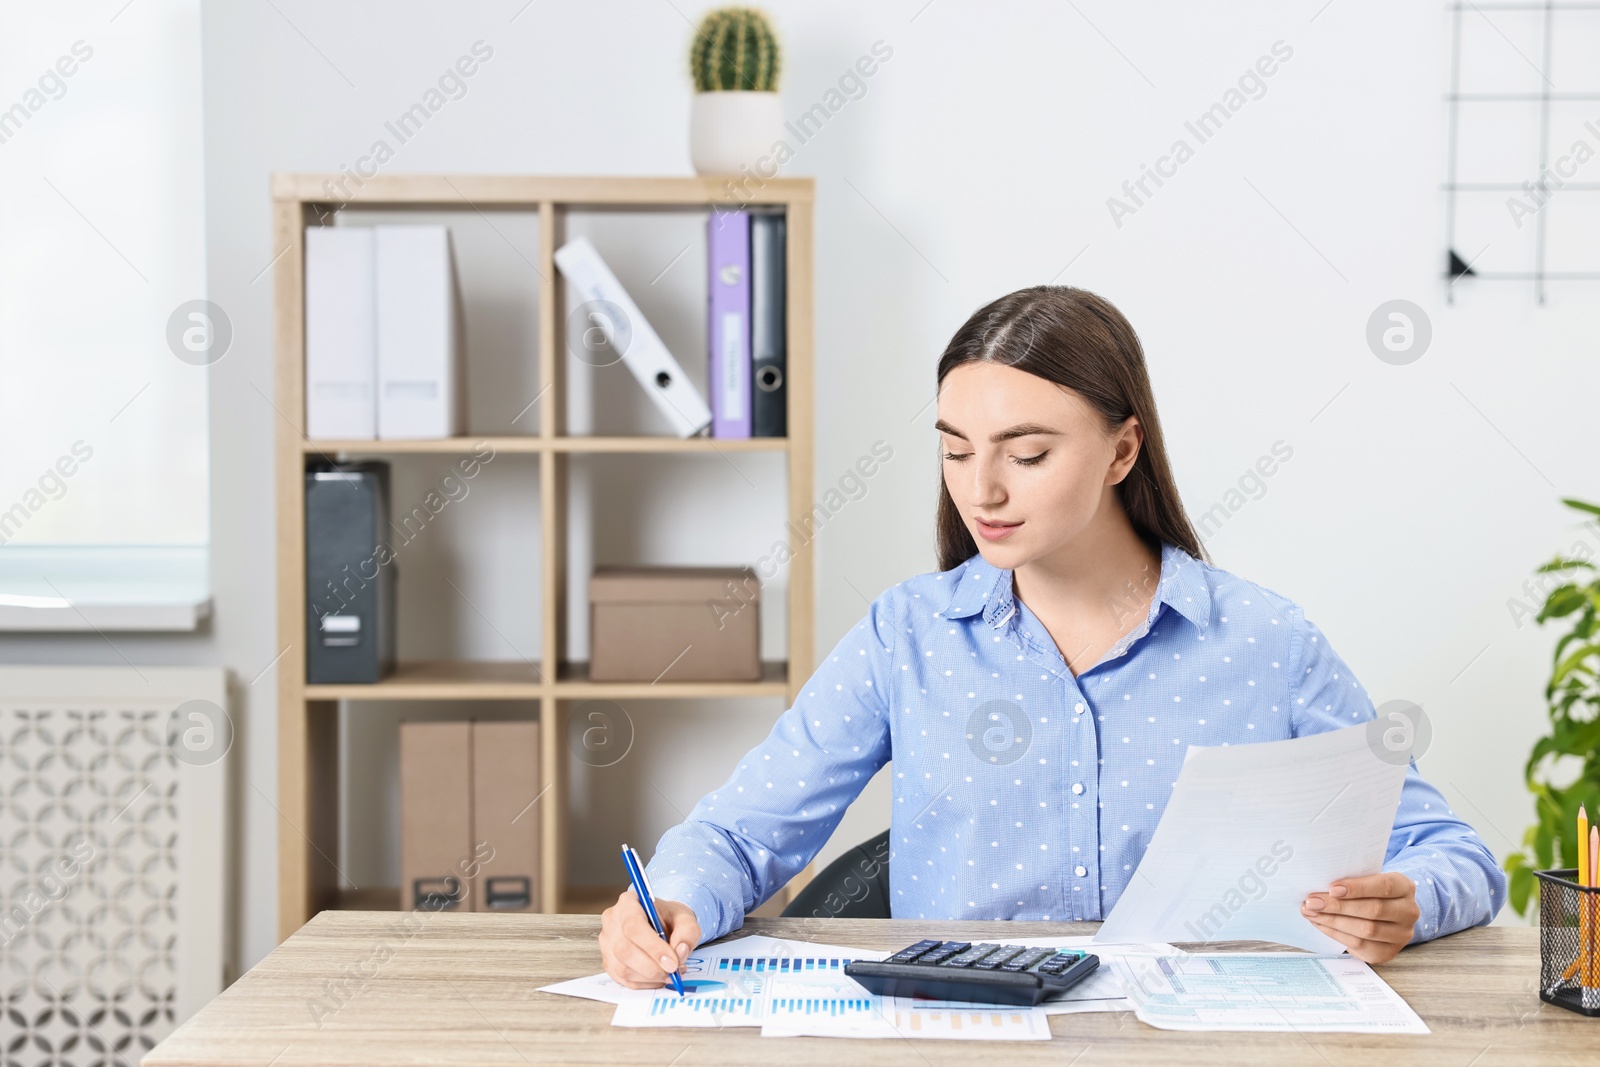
728, 328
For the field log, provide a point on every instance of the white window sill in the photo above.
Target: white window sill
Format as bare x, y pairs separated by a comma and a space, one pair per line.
60, 588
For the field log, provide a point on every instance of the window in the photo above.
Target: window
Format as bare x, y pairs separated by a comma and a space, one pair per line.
104, 333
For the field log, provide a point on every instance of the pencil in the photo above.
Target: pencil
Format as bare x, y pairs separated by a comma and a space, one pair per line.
1583, 845
1583, 898
1581, 960
1591, 970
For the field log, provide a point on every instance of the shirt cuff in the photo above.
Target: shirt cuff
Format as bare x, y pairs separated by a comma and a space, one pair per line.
709, 911
1427, 895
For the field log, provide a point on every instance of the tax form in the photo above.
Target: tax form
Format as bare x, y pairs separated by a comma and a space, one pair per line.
1262, 992
1249, 830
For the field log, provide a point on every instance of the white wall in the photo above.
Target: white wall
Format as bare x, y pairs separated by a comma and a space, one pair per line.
978, 161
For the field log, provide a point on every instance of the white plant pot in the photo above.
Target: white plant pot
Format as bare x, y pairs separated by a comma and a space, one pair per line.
730, 129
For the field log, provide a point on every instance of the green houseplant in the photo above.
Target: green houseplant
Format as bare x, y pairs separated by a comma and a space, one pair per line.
736, 117
1573, 743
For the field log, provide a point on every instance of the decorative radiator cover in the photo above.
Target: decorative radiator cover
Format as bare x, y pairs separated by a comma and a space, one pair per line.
113, 790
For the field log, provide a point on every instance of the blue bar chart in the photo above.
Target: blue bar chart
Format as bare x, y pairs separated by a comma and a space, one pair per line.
734, 990
779, 964
833, 1006
663, 1007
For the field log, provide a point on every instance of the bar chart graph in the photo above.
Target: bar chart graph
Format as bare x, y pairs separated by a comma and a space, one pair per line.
831, 1003
664, 1006
780, 965
734, 990
833, 1006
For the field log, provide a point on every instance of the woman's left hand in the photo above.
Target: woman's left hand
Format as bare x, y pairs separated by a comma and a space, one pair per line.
1374, 917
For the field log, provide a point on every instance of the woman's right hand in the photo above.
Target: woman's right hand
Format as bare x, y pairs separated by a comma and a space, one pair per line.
633, 954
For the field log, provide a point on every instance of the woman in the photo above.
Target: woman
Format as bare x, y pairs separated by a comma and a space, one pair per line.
1038, 692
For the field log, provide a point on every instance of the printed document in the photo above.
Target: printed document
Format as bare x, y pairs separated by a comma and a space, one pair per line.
1273, 991
1249, 830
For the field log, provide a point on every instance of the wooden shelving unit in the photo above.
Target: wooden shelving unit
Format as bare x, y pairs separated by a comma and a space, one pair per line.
308, 763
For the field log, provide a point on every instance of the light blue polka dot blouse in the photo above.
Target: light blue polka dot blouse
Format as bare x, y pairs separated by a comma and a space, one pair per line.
1021, 791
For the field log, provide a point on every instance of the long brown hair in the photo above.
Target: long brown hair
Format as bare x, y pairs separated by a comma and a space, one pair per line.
1076, 339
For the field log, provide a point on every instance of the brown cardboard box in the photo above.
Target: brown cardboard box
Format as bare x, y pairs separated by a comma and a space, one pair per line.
704, 623
505, 782
435, 815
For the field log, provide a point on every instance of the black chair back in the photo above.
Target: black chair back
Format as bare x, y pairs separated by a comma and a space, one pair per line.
854, 886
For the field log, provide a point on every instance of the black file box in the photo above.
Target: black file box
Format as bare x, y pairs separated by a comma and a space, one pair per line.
350, 574
769, 344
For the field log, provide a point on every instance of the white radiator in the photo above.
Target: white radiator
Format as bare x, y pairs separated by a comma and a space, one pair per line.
113, 794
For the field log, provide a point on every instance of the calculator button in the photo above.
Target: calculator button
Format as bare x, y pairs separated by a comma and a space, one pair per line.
911, 952
997, 958
972, 955
969, 957
945, 951
1027, 959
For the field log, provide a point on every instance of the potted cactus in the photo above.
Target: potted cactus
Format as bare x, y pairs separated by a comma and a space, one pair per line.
736, 116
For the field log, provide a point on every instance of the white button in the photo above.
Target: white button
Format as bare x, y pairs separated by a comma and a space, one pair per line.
1077, 787
1080, 870
1078, 707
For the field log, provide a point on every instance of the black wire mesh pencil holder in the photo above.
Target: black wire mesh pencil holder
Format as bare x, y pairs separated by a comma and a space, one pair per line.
1569, 977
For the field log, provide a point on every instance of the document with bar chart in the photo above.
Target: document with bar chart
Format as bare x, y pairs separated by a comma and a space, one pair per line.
729, 985
601, 987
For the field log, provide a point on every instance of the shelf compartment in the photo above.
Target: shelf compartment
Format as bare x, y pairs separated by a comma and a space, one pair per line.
654, 443
362, 446
529, 443
518, 680
572, 681
593, 899
589, 899
371, 898
577, 899
443, 680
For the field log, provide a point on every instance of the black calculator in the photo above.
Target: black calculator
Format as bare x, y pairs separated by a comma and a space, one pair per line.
960, 970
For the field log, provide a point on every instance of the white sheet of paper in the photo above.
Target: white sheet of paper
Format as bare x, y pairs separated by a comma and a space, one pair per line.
1265, 992
1249, 830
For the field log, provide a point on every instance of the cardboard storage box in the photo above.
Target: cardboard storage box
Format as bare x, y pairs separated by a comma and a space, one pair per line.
696, 624
469, 830
435, 815
505, 781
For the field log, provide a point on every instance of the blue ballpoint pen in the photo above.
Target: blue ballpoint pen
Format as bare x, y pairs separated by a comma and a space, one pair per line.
641, 889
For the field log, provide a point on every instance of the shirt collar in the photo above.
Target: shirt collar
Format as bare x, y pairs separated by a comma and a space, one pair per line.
983, 587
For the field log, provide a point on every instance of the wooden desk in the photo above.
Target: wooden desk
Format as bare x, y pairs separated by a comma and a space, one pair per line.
462, 989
